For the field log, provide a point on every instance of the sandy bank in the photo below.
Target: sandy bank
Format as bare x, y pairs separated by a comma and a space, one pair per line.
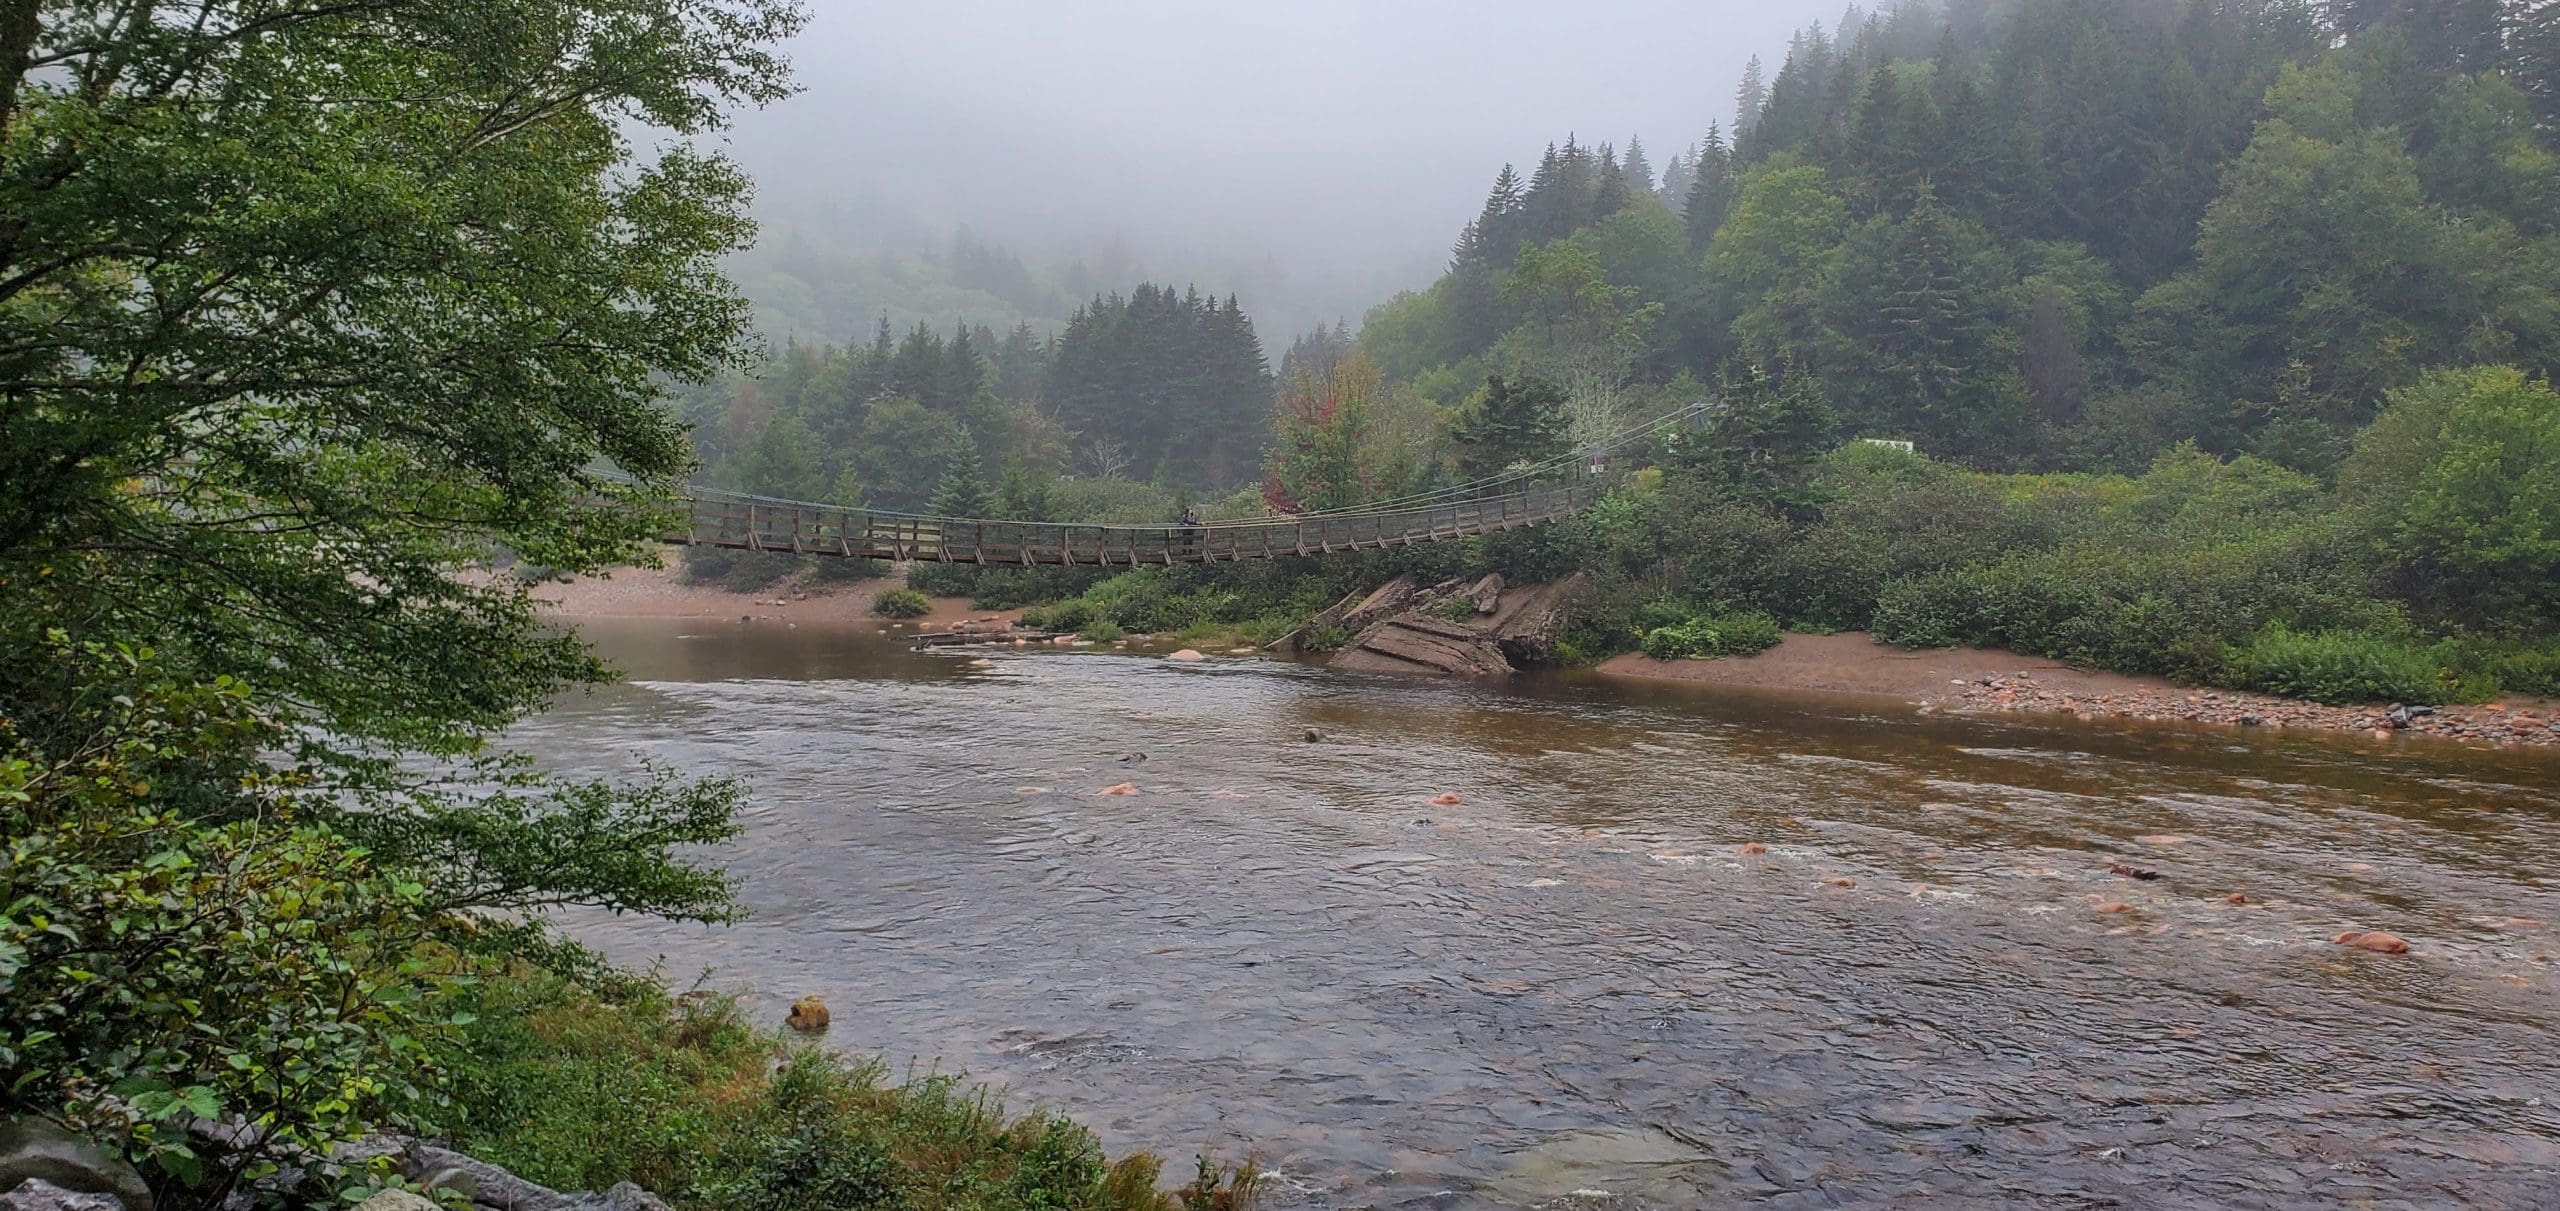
657, 593
1989, 681
1852, 663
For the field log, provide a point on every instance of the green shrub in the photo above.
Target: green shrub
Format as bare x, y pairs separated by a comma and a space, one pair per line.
831, 569
1456, 609
1326, 639
1102, 630
1073, 614
2341, 667
1937, 611
901, 603
1712, 635
734, 570
176, 943
2521, 668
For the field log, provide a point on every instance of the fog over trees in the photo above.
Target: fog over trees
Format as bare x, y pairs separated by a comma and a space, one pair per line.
1310, 158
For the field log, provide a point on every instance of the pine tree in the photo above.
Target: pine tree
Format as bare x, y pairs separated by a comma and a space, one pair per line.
1026, 495
962, 491
963, 374
1710, 191
1639, 171
1543, 201
1675, 181
1612, 193
1511, 422
1499, 229
1749, 99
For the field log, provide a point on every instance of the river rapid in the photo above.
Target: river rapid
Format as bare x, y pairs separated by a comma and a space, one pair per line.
1576, 988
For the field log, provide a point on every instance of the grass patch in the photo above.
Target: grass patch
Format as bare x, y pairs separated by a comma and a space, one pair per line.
579, 1088
2347, 667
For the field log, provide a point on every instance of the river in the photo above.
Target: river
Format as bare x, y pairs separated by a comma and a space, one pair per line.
1576, 987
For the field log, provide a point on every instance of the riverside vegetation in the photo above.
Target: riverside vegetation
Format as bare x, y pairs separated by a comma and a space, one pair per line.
275, 361
2223, 332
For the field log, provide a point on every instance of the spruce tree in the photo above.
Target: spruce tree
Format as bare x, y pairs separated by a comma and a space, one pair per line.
1512, 422
1026, 495
1675, 182
1711, 188
1639, 171
1612, 194
1498, 228
962, 491
1749, 99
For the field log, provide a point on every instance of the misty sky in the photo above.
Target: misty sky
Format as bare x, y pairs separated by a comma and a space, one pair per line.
1320, 132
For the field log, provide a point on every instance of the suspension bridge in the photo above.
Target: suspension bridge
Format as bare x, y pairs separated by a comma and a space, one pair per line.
1522, 496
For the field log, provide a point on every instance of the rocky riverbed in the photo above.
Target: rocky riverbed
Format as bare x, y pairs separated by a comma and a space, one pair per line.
2495, 723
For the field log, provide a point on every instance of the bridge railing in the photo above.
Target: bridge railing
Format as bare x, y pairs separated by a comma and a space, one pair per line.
726, 519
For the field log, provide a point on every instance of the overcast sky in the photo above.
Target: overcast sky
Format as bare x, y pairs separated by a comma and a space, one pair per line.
1322, 131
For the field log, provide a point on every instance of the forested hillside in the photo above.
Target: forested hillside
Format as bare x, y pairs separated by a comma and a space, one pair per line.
2222, 330
2060, 234
1156, 386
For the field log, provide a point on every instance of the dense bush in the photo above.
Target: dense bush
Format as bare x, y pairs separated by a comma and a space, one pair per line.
997, 588
2456, 492
748, 571
577, 1086
1711, 635
2345, 667
901, 603
177, 943
832, 569
2520, 668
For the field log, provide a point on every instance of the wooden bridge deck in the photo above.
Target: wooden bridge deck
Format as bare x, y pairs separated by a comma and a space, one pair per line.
722, 519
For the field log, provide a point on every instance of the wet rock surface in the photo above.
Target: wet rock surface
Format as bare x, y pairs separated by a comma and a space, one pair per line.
35, 1149
1506, 628
37, 1194
2490, 724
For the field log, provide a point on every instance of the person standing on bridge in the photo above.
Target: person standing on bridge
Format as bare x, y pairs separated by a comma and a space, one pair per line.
1190, 524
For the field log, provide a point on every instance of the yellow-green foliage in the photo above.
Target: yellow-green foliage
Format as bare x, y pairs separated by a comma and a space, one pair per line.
580, 1087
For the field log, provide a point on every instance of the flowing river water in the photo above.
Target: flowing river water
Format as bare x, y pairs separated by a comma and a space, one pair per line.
1576, 988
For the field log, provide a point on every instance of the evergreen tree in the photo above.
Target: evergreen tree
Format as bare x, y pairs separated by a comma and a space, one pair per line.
962, 491
1711, 191
1499, 229
1917, 341
1675, 182
1026, 495
1613, 193
1507, 423
1638, 170
1749, 99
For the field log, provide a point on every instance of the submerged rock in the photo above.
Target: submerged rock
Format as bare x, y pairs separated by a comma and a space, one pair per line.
1124, 788
2377, 941
1186, 655
1446, 799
